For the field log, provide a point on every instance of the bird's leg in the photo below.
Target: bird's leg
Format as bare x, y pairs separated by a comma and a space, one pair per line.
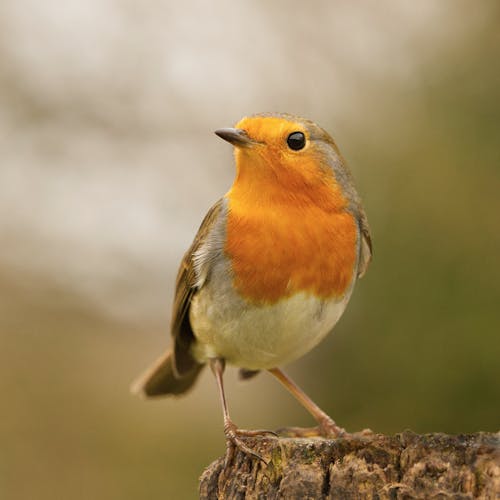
326, 426
231, 432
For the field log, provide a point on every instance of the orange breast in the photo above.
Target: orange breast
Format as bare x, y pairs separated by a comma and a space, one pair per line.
281, 247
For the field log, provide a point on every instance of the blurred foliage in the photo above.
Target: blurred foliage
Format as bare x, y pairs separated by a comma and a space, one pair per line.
418, 347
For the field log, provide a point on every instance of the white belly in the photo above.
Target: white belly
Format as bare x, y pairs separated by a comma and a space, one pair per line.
260, 337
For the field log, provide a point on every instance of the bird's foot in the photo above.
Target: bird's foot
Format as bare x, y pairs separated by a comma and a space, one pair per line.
327, 428
233, 435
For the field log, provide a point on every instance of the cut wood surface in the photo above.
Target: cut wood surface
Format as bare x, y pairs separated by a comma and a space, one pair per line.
369, 466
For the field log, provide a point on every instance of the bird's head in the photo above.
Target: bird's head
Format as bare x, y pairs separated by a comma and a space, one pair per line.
287, 154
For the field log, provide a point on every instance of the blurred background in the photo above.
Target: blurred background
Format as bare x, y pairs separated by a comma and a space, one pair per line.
108, 163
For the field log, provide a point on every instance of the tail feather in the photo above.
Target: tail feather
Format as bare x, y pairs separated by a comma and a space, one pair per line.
159, 379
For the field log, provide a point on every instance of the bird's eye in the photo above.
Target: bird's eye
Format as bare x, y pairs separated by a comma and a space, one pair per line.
296, 141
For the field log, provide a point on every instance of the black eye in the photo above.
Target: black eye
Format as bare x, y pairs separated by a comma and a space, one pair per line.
296, 141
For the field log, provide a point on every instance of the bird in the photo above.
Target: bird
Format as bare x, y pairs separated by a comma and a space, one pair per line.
271, 268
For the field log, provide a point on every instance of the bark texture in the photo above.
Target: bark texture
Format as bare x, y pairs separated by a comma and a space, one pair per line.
404, 466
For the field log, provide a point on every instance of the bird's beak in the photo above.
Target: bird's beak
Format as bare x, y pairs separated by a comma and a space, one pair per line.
236, 136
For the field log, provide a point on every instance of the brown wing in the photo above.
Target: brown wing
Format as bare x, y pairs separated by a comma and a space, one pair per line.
365, 253
185, 287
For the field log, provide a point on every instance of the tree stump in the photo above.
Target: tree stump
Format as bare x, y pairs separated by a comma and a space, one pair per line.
404, 466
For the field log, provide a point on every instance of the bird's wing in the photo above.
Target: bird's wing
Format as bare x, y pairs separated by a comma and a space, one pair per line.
187, 283
365, 251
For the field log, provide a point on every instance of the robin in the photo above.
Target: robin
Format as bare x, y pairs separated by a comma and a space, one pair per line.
271, 268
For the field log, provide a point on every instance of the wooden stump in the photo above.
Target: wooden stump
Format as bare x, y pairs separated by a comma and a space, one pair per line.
404, 466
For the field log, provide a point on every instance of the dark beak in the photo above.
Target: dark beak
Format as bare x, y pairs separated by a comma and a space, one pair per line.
235, 136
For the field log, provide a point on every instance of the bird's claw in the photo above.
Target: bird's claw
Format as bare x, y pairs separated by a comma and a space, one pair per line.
327, 428
255, 433
233, 434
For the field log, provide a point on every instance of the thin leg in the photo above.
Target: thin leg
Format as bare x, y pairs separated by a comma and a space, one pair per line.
326, 426
231, 432
217, 366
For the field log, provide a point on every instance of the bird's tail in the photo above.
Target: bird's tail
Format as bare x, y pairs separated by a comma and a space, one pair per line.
160, 380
